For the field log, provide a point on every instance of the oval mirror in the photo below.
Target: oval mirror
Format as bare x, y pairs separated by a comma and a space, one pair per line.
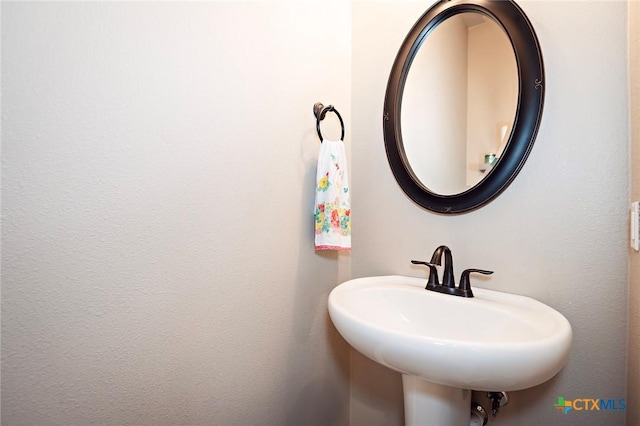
463, 103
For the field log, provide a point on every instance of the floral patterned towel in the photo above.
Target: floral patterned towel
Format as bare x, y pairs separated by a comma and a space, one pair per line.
332, 208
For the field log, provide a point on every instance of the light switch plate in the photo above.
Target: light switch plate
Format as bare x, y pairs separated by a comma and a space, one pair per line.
635, 225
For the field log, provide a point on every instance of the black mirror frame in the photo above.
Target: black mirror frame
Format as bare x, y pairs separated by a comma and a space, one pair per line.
528, 113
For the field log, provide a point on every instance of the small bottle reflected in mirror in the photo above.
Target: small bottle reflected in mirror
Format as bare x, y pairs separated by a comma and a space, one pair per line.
489, 161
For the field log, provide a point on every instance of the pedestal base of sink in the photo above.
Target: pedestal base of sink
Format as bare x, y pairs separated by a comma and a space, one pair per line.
427, 403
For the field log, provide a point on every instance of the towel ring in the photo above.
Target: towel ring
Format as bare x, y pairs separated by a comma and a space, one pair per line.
320, 111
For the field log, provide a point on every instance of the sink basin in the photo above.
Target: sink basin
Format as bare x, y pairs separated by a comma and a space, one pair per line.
494, 341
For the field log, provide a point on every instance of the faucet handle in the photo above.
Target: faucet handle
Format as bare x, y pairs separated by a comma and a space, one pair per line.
433, 273
465, 285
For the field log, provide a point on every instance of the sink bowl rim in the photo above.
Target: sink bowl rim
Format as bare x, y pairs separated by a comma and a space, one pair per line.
466, 364
479, 292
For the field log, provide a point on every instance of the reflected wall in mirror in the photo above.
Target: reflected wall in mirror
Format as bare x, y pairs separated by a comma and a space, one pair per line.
459, 101
463, 103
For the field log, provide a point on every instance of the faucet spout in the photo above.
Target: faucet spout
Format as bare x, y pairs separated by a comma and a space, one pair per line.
448, 279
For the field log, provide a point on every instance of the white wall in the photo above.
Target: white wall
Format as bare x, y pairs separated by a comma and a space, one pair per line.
633, 365
158, 166
558, 233
157, 171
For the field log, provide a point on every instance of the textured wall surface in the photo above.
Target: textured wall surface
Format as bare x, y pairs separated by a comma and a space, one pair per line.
157, 170
633, 374
558, 233
158, 165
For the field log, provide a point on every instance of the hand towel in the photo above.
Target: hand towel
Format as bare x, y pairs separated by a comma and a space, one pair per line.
332, 207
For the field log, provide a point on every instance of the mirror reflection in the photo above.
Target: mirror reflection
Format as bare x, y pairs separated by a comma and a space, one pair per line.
459, 103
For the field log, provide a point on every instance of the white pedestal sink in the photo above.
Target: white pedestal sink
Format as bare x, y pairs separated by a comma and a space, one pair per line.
446, 345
